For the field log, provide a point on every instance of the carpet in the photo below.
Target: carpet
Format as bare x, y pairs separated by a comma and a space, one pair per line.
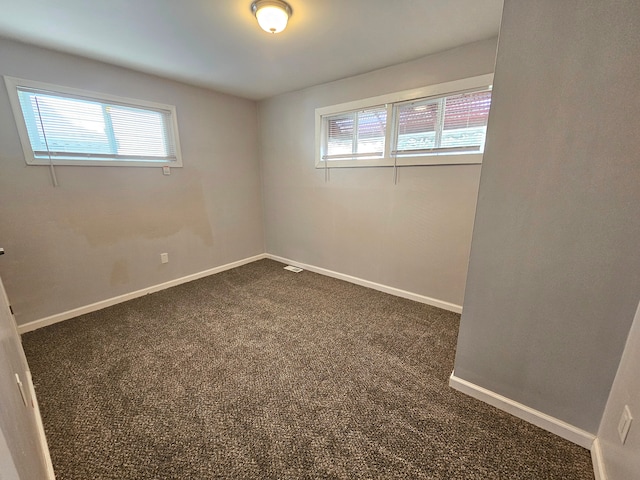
261, 373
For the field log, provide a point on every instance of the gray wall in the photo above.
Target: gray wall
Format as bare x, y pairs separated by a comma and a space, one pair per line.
100, 234
555, 265
414, 235
622, 462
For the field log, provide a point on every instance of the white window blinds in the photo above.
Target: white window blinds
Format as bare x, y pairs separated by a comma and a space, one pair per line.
440, 124
69, 127
359, 134
452, 124
65, 126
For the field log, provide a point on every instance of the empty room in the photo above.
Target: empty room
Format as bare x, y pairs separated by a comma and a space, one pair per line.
345, 239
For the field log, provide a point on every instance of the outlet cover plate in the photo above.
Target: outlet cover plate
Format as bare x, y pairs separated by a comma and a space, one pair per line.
625, 423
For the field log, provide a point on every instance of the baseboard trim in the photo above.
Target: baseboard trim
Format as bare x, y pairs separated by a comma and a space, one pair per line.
542, 420
599, 471
366, 283
59, 317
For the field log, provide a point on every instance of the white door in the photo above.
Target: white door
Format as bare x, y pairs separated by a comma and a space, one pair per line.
23, 450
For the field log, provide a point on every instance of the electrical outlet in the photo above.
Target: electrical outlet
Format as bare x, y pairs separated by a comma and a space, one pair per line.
625, 423
164, 258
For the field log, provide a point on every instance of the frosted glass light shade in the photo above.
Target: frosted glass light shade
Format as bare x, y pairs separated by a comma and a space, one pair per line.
272, 15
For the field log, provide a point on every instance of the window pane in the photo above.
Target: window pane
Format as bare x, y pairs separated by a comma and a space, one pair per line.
70, 125
340, 135
453, 124
465, 120
417, 125
138, 132
372, 126
83, 129
356, 134
444, 125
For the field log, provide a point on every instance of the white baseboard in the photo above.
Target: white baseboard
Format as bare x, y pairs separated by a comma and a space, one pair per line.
452, 307
542, 420
59, 317
598, 461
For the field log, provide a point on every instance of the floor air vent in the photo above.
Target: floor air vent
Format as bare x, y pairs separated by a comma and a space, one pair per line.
291, 268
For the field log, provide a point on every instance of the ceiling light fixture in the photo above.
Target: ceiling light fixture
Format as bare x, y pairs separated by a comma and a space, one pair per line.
272, 15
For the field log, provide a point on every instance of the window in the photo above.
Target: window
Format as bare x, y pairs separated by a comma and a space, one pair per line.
359, 134
452, 124
441, 124
63, 126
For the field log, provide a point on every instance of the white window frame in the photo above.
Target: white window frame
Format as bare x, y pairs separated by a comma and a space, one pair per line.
12, 85
388, 159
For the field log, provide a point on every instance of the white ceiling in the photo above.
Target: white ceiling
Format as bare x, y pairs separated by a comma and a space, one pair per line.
218, 44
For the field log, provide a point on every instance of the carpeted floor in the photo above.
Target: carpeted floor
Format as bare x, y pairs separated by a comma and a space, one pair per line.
261, 373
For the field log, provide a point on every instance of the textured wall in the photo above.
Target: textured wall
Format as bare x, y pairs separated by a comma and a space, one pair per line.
555, 265
101, 232
414, 235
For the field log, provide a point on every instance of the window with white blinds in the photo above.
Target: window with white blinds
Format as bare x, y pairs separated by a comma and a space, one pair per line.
63, 126
441, 124
451, 124
359, 134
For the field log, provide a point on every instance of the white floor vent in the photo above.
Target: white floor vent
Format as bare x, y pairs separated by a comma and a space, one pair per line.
291, 268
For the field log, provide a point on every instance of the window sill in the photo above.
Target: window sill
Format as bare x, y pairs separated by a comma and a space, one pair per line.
405, 161
104, 163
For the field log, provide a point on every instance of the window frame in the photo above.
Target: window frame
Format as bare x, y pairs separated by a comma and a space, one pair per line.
13, 83
356, 158
391, 101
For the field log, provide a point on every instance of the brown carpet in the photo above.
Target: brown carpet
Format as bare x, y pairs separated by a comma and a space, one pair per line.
260, 373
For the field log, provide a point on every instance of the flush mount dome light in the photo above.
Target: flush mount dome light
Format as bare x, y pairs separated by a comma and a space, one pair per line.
272, 15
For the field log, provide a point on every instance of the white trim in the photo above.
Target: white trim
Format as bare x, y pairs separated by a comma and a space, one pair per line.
599, 471
440, 159
44, 447
542, 420
452, 307
59, 317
